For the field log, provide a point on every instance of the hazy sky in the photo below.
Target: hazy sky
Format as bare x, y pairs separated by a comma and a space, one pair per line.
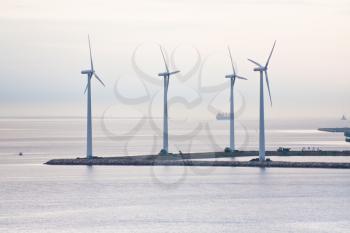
44, 47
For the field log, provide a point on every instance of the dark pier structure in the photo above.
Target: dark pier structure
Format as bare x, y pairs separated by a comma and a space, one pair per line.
201, 159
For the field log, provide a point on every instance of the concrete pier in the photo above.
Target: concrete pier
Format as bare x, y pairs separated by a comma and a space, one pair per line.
193, 159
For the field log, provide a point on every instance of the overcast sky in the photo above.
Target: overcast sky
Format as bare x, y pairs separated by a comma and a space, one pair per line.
43, 48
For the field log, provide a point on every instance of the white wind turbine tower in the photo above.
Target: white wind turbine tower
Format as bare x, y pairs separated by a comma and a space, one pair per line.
166, 75
89, 73
232, 78
263, 70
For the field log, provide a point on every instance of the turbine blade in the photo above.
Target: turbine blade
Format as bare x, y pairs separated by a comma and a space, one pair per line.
233, 67
234, 81
166, 65
87, 85
255, 62
268, 60
92, 64
240, 77
174, 72
99, 79
268, 86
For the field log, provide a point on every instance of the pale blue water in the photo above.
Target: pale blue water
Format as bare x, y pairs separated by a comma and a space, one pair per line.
42, 138
36, 198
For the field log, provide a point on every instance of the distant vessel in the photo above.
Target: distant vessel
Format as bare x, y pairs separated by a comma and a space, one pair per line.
343, 118
335, 130
347, 136
223, 116
345, 130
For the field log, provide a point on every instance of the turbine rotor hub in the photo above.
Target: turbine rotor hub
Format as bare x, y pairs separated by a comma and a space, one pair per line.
260, 69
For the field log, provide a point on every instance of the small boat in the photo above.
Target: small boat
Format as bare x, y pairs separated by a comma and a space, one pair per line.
343, 118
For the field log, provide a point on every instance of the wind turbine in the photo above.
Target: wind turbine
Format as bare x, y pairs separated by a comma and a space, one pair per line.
166, 75
90, 73
232, 78
263, 70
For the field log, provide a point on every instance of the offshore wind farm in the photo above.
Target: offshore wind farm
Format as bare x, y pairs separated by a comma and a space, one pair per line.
166, 158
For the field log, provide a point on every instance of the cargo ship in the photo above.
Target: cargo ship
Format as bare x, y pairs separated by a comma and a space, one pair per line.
223, 116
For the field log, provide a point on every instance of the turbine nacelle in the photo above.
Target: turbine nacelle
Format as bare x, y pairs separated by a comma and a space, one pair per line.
87, 72
167, 74
263, 69
260, 69
259, 66
91, 71
235, 76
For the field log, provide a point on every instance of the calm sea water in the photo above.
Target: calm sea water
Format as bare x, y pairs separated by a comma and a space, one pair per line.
36, 198
54, 138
